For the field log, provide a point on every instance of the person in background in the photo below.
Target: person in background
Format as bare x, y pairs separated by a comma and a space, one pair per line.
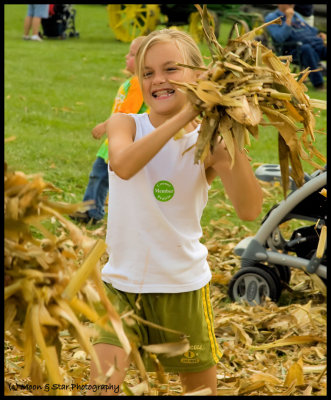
33, 20
306, 11
129, 99
295, 29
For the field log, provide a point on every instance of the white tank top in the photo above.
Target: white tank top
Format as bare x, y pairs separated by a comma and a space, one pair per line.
154, 221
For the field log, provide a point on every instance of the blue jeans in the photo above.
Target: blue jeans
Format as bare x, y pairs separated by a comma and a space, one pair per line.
97, 188
311, 57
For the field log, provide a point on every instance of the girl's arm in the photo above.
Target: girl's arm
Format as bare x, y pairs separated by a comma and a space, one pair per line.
99, 130
240, 183
127, 157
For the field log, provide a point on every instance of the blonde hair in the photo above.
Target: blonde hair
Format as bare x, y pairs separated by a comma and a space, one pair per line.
138, 40
184, 42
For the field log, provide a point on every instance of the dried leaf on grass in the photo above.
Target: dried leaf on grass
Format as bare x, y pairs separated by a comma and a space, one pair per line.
295, 374
291, 341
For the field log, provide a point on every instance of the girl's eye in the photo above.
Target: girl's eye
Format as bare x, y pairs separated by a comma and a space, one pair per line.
147, 74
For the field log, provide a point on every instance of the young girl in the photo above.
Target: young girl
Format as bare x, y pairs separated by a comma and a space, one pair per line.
157, 265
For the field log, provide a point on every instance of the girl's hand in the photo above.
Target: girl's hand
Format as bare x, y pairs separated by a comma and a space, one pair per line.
190, 112
99, 130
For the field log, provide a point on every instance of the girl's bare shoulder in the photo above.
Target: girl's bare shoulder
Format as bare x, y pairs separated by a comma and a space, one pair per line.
121, 122
121, 118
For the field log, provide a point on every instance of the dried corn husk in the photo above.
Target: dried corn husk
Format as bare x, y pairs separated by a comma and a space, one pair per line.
247, 81
321, 243
40, 272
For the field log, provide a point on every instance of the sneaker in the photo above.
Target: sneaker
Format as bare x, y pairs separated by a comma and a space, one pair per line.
80, 216
83, 217
26, 37
37, 38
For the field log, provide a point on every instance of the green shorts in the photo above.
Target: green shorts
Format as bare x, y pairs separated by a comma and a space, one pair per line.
189, 312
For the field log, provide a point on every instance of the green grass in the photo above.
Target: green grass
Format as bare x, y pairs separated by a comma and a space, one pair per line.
58, 90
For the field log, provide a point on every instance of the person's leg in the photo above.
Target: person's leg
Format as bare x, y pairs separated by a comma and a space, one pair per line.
109, 355
97, 188
39, 11
200, 380
101, 190
309, 58
27, 25
35, 25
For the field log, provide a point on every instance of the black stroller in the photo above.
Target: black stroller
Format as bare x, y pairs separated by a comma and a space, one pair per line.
61, 22
265, 258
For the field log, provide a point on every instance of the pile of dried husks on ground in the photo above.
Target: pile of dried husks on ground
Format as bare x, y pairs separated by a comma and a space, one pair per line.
244, 82
268, 350
50, 306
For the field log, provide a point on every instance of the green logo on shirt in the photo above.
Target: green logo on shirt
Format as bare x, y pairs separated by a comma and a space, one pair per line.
163, 191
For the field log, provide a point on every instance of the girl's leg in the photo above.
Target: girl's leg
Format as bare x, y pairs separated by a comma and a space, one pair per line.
206, 379
109, 355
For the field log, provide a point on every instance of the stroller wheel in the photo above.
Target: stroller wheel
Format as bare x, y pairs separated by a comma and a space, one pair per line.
74, 34
254, 284
284, 273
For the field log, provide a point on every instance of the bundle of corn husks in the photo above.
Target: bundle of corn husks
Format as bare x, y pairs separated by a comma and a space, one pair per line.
244, 82
46, 279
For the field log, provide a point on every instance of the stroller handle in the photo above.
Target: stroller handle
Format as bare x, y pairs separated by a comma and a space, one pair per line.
285, 206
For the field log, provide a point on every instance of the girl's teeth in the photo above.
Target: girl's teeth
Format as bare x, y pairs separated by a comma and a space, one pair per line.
163, 93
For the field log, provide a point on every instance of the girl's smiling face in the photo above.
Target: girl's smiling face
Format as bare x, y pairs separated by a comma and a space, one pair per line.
160, 66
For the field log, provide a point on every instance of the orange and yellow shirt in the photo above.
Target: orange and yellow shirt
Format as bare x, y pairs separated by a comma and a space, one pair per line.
129, 99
